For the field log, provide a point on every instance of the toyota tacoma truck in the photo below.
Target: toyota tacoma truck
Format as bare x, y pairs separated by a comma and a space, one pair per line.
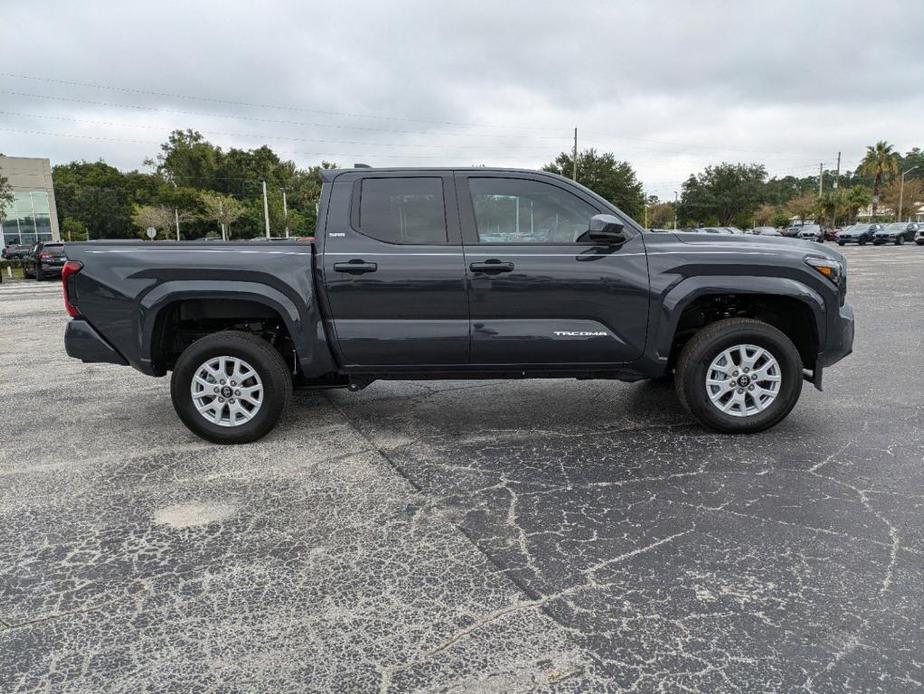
462, 274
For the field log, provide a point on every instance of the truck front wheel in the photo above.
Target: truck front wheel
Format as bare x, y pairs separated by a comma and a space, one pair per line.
739, 376
230, 387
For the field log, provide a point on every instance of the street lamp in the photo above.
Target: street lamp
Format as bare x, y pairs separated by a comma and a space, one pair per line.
901, 193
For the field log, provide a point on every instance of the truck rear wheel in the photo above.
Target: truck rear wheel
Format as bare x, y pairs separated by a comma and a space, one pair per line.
739, 376
230, 387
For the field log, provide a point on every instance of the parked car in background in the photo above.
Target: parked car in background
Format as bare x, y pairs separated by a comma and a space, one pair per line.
765, 231
15, 251
713, 230
46, 260
790, 232
831, 233
858, 233
811, 232
919, 236
733, 230
896, 232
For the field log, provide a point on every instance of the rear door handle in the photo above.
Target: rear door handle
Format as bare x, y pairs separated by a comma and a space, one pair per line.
357, 266
492, 267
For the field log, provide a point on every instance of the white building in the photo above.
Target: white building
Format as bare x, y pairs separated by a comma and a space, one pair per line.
32, 215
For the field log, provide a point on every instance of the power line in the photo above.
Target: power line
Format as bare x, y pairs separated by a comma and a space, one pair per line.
230, 102
259, 136
275, 121
347, 155
685, 147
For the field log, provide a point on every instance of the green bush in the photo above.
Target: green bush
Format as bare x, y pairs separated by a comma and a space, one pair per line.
11, 269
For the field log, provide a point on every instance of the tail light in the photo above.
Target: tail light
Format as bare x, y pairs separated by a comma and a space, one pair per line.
44, 256
71, 267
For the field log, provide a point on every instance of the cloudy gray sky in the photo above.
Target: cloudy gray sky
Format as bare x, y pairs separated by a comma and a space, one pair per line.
668, 86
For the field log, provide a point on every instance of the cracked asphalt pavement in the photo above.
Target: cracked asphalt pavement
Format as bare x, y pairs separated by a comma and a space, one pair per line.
466, 536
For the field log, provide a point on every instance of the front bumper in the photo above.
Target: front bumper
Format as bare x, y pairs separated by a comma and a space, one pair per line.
840, 337
839, 345
82, 342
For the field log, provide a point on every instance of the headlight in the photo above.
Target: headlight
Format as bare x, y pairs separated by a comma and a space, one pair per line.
831, 269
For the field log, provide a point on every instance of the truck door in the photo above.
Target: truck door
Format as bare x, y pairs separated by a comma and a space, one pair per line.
394, 271
538, 294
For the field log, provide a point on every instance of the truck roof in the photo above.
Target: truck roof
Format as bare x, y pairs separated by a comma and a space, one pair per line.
331, 174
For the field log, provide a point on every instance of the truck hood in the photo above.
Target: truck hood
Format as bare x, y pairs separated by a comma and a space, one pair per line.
746, 242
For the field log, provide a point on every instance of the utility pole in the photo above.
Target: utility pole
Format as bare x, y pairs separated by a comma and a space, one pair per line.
821, 177
285, 211
221, 222
574, 158
646, 214
901, 194
176, 214
837, 173
676, 204
265, 211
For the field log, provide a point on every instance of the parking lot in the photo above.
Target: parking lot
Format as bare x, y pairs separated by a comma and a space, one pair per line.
508, 536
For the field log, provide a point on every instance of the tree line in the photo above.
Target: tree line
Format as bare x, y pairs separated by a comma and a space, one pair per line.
742, 194
209, 191
205, 190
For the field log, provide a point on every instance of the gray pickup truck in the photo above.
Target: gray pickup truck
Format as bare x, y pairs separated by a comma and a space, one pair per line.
462, 273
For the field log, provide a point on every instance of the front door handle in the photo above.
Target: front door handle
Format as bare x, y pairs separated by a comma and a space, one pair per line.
357, 266
491, 267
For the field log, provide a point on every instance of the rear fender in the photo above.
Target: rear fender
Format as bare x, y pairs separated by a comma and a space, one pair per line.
306, 331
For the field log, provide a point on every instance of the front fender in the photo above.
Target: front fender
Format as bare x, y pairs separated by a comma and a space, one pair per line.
679, 296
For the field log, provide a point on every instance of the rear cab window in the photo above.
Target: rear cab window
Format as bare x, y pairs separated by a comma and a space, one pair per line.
408, 210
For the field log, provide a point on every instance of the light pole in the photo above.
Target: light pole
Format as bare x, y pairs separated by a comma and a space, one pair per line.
901, 194
676, 203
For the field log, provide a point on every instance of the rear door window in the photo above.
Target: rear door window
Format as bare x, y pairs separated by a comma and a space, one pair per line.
403, 210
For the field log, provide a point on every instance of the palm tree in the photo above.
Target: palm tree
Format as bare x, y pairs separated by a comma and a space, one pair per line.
880, 160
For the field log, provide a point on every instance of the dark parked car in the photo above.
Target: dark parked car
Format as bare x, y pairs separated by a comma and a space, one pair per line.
919, 237
831, 233
791, 232
15, 251
897, 233
46, 260
858, 233
462, 273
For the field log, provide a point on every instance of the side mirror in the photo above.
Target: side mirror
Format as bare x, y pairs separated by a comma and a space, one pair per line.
606, 228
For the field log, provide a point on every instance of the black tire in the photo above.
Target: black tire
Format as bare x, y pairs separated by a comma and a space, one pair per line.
38, 275
711, 341
862, 243
900, 240
261, 356
840, 243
